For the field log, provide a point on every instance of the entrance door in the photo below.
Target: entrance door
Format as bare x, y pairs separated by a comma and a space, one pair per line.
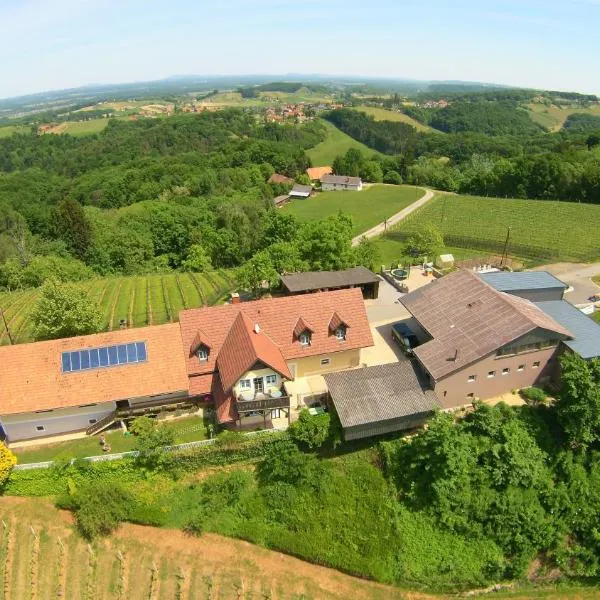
259, 385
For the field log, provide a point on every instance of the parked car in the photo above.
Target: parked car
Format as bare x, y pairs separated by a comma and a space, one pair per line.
594, 298
404, 337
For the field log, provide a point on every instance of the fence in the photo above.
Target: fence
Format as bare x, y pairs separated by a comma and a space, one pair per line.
134, 453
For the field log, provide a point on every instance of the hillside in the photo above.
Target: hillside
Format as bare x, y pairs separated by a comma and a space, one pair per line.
382, 114
336, 143
142, 300
552, 117
539, 230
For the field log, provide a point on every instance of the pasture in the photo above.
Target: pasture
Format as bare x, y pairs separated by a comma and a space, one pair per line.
553, 117
367, 208
540, 230
8, 130
382, 114
141, 300
336, 143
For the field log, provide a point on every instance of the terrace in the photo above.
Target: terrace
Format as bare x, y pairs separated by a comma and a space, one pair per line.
254, 403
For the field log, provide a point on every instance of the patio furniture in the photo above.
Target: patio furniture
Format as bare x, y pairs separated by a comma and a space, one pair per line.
276, 394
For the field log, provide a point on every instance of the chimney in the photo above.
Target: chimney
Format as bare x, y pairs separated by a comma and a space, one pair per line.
455, 355
235, 298
256, 328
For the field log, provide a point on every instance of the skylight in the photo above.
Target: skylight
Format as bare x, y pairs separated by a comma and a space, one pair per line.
107, 356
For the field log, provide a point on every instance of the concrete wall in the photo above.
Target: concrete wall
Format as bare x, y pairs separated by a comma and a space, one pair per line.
54, 422
338, 361
454, 390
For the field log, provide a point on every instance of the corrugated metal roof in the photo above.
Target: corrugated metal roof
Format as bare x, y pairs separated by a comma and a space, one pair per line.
341, 180
506, 281
319, 280
380, 393
585, 330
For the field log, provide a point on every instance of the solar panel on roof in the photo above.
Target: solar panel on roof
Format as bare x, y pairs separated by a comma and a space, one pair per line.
107, 356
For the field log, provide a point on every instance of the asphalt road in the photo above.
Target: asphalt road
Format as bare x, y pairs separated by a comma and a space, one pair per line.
577, 276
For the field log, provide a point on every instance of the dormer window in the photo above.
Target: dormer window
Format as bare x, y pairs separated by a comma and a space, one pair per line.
304, 338
340, 333
202, 353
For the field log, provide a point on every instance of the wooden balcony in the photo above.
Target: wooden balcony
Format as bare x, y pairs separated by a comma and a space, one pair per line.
261, 402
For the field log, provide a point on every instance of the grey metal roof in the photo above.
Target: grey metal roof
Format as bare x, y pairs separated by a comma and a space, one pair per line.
300, 189
506, 281
380, 393
319, 280
341, 180
585, 330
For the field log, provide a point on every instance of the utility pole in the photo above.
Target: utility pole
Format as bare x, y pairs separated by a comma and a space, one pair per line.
504, 255
10, 337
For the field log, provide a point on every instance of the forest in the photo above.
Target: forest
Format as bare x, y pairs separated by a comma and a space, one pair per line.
477, 156
186, 193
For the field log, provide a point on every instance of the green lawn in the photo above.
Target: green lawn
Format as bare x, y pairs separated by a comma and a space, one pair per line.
367, 208
540, 230
186, 429
337, 142
381, 114
136, 299
78, 128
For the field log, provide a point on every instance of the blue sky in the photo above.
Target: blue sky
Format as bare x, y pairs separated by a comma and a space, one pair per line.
54, 44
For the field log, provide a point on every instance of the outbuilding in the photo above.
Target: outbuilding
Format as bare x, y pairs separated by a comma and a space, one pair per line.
382, 399
536, 286
300, 191
318, 281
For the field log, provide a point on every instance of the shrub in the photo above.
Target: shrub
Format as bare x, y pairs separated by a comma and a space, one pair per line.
534, 394
195, 524
100, 508
392, 177
310, 431
7, 461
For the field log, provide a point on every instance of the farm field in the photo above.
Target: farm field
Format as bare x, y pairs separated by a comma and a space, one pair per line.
141, 300
336, 142
367, 208
381, 114
540, 230
553, 117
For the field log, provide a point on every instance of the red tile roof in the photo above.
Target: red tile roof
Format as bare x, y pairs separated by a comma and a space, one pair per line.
244, 346
31, 376
277, 319
468, 320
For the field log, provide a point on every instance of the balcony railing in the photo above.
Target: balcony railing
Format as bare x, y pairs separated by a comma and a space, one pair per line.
261, 401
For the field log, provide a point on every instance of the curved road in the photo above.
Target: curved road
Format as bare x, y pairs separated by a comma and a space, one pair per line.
394, 219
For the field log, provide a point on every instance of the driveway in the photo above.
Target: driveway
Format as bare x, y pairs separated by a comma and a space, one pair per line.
577, 276
394, 219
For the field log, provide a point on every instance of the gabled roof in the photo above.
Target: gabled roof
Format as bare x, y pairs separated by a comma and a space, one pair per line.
244, 346
319, 280
586, 331
301, 190
468, 319
506, 281
318, 172
380, 393
200, 339
341, 180
277, 318
336, 321
277, 178
31, 376
302, 326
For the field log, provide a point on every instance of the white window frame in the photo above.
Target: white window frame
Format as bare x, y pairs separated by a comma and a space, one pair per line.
340, 333
245, 384
304, 338
471, 378
276, 413
202, 354
325, 362
270, 379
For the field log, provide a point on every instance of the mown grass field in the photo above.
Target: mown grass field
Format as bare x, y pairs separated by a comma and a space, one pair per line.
78, 128
142, 300
553, 117
8, 130
367, 208
381, 114
539, 230
336, 143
